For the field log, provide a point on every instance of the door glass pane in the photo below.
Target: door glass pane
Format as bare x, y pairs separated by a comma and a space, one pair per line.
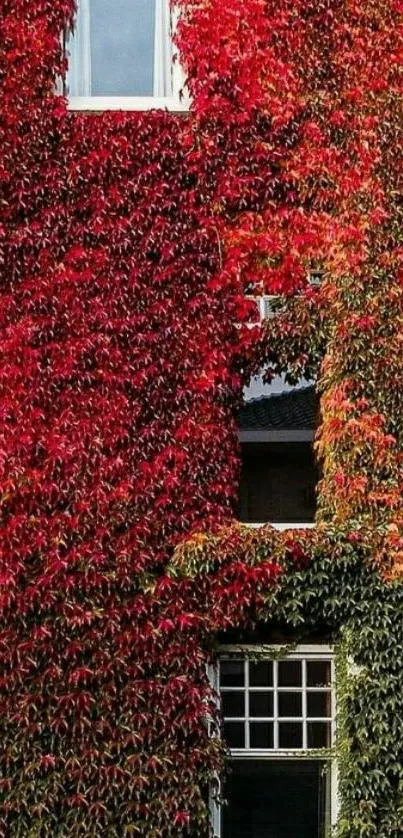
319, 735
261, 704
275, 799
122, 47
290, 673
234, 734
290, 735
261, 674
233, 704
318, 673
261, 734
232, 673
319, 704
290, 704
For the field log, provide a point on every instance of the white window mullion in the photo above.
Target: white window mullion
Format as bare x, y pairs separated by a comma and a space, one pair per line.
304, 707
275, 705
247, 728
333, 701
162, 50
79, 47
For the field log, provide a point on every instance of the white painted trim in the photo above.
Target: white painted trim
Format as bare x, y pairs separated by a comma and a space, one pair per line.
162, 50
276, 436
264, 305
334, 777
215, 812
256, 753
78, 44
318, 650
278, 526
127, 103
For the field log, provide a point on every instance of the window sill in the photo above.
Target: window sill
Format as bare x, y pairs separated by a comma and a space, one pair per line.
128, 103
284, 753
279, 527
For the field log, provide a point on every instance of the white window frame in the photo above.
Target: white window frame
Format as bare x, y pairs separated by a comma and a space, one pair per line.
303, 653
269, 304
279, 526
177, 102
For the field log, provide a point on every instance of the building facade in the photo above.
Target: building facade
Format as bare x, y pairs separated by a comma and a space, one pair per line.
201, 586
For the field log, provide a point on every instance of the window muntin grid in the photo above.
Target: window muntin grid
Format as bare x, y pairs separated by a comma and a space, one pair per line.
277, 705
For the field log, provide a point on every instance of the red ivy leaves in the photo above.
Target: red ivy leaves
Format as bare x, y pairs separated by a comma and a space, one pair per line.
128, 241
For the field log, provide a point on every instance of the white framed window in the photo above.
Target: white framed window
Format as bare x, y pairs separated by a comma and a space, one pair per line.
279, 723
267, 305
121, 57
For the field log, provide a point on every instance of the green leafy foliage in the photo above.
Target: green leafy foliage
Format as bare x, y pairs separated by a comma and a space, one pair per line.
127, 244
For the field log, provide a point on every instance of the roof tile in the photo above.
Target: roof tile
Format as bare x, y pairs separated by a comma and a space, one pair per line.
290, 410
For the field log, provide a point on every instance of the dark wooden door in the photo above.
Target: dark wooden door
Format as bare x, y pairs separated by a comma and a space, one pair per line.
275, 799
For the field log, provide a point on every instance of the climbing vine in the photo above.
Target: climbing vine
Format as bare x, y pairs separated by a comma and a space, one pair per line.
127, 243
328, 588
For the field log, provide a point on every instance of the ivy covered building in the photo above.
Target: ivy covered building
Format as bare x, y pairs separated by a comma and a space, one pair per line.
201, 419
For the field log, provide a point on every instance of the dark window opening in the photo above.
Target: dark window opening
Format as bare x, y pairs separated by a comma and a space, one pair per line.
278, 483
276, 799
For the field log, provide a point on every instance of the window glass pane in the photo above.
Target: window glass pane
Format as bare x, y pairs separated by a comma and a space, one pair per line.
290, 735
261, 674
319, 735
234, 734
261, 704
318, 673
232, 673
274, 799
261, 734
278, 480
319, 704
290, 704
233, 704
122, 47
289, 673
